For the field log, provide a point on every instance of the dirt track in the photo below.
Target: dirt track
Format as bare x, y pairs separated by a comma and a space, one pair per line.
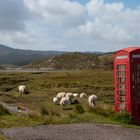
72, 132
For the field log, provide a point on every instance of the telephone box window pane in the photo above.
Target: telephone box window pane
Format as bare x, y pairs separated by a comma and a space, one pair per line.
121, 86
121, 106
138, 88
138, 79
133, 77
121, 99
121, 80
121, 73
121, 67
139, 94
138, 67
121, 92
138, 82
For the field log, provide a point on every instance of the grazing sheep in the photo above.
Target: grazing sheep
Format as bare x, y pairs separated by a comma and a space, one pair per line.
69, 96
60, 95
91, 100
23, 89
55, 100
64, 101
83, 95
75, 95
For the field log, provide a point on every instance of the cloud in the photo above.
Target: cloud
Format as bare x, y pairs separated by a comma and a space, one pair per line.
12, 15
61, 13
99, 7
109, 25
68, 25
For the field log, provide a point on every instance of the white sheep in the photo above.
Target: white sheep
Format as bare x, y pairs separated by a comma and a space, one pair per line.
65, 101
83, 95
55, 100
91, 100
69, 96
23, 89
75, 95
60, 95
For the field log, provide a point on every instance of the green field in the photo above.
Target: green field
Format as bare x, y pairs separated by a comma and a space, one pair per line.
44, 86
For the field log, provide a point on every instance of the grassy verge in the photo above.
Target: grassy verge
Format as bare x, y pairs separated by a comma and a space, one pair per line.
3, 138
44, 86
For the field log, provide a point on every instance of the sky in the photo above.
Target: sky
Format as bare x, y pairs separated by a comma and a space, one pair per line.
70, 25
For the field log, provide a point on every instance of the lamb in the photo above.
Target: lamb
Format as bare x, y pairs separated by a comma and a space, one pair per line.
75, 95
91, 100
83, 95
23, 89
60, 95
55, 100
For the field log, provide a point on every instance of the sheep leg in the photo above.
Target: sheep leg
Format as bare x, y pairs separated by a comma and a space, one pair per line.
94, 103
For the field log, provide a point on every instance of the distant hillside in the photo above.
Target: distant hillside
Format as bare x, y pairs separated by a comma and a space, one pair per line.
75, 60
106, 60
67, 61
54, 59
23, 57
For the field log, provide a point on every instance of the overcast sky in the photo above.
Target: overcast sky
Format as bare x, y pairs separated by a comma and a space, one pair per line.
70, 25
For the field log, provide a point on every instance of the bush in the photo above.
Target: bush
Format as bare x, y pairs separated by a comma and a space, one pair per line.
44, 111
79, 109
122, 117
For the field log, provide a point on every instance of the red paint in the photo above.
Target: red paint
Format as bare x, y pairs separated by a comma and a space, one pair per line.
127, 81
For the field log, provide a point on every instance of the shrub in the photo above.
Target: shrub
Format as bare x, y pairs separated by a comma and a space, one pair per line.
44, 111
122, 117
78, 108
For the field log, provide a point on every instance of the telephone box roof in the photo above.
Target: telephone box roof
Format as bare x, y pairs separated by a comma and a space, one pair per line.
129, 49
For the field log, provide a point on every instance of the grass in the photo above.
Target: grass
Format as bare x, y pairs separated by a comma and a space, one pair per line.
79, 109
44, 86
3, 111
3, 138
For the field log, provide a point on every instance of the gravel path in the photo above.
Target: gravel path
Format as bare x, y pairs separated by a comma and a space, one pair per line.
72, 132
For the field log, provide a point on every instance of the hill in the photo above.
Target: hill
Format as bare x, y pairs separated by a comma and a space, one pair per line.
74, 60
53, 59
106, 60
23, 57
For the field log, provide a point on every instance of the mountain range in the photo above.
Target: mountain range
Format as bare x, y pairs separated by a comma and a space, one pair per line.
20, 57
54, 59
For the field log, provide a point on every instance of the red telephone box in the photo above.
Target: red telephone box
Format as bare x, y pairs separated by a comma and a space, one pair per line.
127, 81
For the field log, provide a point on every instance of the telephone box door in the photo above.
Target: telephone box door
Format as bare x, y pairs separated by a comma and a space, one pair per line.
121, 87
136, 91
